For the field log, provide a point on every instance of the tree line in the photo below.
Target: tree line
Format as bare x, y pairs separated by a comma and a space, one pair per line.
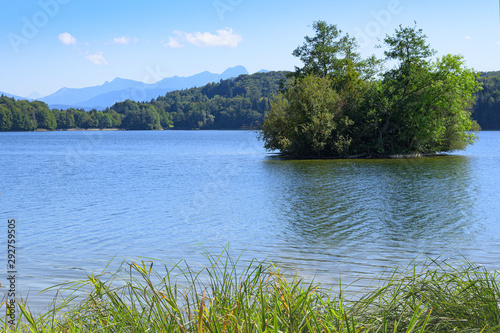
487, 106
23, 115
229, 104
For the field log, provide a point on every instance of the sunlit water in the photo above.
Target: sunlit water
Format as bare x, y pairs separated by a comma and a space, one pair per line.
82, 198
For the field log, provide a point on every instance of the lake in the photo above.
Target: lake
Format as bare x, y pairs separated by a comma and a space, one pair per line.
81, 198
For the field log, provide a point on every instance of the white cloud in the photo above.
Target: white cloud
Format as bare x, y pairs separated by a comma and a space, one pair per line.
97, 59
467, 37
67, 39
173, 43
224, 37
498, 42
122, 40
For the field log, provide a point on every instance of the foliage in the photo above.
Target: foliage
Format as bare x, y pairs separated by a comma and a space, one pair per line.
487, 107
307, 120
225, 296
429, 103
243, 101
230, 104
417, 107
21, 116
330, 54
44, 118
5, 118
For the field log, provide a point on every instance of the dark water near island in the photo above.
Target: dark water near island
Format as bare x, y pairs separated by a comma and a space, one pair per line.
82, 198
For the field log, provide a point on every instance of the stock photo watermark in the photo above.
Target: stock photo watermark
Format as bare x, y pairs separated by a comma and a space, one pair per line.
31, 25
10, 299
217, 182
380, 19
154, 75
75, 156
223, 6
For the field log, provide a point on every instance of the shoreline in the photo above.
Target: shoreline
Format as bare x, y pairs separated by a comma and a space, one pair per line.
359, 157
69, 130
90, 129
431, 295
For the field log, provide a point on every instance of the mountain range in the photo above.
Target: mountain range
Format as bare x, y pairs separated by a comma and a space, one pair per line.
11, 96
118, 90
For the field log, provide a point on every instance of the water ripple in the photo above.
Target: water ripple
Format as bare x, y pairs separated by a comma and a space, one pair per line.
80, 199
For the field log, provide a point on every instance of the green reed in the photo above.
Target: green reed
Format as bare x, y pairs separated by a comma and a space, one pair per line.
428, 296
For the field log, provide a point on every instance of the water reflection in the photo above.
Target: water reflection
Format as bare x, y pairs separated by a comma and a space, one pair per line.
164, 194
374, 208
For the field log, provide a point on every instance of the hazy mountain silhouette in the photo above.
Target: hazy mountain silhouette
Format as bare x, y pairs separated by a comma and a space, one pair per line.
11, 96
118, 90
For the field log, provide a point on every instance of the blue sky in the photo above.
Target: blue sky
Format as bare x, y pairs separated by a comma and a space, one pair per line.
49, 44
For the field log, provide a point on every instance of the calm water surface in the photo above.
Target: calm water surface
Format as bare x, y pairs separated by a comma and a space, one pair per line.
82, 198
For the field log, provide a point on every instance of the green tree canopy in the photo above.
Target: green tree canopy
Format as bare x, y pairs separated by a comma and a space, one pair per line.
5, 118
44, 118
307, 120
487, 107
336, 108
331, 54
428, 103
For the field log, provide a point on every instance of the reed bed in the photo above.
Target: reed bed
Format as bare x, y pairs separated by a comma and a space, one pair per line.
427, 296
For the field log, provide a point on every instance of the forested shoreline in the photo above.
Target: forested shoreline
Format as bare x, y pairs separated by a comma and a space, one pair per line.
229, 104
237, 103
486, 111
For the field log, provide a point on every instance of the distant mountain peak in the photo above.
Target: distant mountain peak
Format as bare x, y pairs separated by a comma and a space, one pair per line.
34, 95
11, 95
234, 71
119, 79
120, 89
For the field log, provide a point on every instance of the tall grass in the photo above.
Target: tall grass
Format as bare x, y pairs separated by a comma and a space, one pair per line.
429, 296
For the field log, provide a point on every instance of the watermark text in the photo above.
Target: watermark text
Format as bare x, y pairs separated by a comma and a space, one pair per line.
30, 26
